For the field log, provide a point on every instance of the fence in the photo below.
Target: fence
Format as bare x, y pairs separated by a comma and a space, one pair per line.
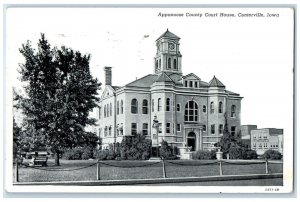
164, 164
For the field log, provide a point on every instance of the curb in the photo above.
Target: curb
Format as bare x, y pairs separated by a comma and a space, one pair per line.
154, 181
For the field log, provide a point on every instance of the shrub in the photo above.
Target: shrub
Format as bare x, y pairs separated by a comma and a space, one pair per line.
272, 154
73, 154
236, 152
250, 154
134, 148
166, 151
87, 153
102, 154
204, 155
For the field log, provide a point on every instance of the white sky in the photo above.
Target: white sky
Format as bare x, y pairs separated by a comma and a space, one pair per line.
251, 56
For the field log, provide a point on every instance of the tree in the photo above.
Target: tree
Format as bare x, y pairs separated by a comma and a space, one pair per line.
59, 94
17, 132
227, 140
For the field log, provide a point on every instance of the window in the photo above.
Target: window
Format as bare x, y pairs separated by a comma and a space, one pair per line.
204, 108
212, 129
191, 111
265, 136
169, 63
168, 127
122, 107
134, 106
133, 129
159, 107
220, 129
175, 64
109, 130
260, 145
191, 84
145, 106
159, 62
121, 129
185, 83
100, 112
204, 128
159, 128
104, 111
196, 84
233, 108
107, 110
178, 107
105, 131
212, 108
178, 127
254, 137
118, 107
156, 64
168, 104
110, 109
220, 107
233, 128
145, 128
254, 145
265, 145
173, 128
152, 105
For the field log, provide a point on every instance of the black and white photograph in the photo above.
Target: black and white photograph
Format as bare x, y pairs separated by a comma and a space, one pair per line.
165, 99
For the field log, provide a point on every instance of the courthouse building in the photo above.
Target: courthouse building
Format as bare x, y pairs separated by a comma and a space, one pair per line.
189, 112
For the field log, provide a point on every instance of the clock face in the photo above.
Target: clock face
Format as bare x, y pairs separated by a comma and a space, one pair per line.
171, 46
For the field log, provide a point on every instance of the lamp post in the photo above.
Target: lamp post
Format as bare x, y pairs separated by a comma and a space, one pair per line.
154, 138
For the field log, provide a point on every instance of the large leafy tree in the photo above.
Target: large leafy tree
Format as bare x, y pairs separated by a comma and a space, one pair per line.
59, 94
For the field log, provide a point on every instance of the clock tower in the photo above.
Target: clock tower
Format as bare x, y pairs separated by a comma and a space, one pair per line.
168, 56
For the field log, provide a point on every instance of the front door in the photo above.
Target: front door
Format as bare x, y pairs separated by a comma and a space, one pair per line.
191, 141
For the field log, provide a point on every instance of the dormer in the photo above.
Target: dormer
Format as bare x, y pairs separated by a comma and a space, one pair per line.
191, 81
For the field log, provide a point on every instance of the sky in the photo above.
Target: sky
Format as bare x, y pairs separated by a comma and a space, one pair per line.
252, 56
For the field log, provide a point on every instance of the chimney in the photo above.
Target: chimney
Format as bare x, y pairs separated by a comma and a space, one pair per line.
107, 75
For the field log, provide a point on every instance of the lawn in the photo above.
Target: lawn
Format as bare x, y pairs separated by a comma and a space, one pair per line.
70, 170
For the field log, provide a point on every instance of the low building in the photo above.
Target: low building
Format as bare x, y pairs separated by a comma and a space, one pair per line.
246, 135
265, 139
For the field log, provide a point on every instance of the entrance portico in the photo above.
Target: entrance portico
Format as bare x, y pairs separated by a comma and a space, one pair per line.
193, 136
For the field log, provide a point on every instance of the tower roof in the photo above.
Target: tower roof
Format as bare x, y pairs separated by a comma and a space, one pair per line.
168, 34
216, 83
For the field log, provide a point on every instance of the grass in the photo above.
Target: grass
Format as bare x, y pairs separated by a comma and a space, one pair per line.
150, 171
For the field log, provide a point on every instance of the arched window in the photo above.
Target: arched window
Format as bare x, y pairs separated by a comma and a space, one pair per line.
100, 112
122, 107
168, 104
204, 108
110, 109
159, 104
134, 106
220, 107
212, 108
107, 110
175, 64
152, 105
169, 63
233, 108
104, 111
159, 62
145, 106
118, 107
156, 64
191, 111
